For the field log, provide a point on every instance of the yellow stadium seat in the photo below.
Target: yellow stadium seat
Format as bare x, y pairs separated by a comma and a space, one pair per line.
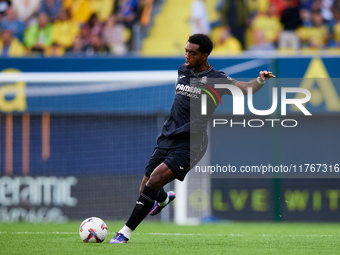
170, 30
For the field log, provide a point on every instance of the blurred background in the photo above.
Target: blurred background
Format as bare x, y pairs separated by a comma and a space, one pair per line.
159, 27
86, 85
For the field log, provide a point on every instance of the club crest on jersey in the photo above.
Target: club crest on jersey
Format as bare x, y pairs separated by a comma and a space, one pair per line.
204, 79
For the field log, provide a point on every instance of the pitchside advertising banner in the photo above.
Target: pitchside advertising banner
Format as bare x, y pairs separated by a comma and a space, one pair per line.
126, 85
75, 131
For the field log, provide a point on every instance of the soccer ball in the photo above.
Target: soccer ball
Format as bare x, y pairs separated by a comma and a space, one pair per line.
93, 230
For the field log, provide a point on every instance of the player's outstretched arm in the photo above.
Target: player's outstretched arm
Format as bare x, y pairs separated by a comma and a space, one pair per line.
256, 84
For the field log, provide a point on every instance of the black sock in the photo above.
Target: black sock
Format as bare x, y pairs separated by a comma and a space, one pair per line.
142, 208
162, 195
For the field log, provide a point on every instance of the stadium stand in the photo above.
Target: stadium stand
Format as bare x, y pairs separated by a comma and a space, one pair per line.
168, 41
159, 27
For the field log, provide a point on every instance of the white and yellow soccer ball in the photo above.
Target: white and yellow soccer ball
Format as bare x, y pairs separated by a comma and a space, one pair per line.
93, 230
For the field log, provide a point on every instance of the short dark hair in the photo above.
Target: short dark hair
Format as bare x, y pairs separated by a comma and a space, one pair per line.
204, 42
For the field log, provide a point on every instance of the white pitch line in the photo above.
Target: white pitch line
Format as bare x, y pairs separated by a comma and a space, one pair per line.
169, 234
230, 234
81, 89
244, 66
40, 233
113, 81
61, 77
131, 76
184, 234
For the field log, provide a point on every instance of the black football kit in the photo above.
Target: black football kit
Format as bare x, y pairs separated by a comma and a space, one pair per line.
183, 140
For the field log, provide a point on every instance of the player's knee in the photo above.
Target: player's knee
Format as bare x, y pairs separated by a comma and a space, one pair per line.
155, 182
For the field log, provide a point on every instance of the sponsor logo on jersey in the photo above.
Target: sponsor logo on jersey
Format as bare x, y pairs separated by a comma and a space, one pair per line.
188, 88
192, 91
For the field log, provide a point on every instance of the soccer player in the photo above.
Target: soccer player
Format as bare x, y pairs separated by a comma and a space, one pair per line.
183, 140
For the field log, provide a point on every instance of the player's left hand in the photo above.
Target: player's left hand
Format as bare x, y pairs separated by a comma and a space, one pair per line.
265, 75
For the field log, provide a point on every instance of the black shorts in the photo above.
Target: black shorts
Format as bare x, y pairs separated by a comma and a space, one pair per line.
179, 160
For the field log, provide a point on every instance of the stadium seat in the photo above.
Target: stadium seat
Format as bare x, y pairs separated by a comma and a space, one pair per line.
169, 32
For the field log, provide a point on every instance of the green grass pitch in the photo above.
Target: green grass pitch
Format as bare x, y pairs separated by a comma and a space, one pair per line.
167, 238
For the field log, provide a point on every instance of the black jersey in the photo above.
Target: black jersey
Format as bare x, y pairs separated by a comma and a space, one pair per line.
185, 114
